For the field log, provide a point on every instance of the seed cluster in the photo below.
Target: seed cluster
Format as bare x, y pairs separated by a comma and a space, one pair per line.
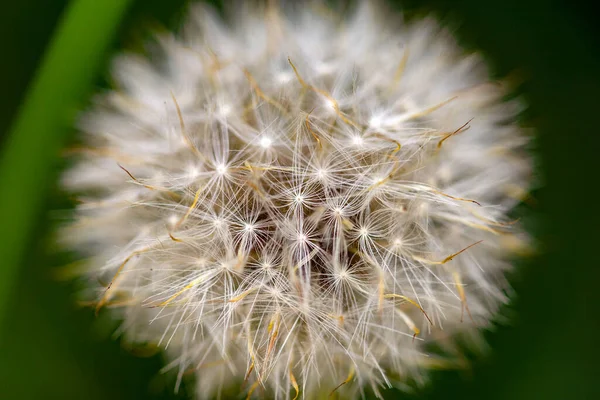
299, 203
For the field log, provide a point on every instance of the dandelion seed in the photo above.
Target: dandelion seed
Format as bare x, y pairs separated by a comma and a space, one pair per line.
224, 110
221, 169
357, 140
265, 142
330, 104
321, 173
284, 77
376, 122
193, 172
305, 227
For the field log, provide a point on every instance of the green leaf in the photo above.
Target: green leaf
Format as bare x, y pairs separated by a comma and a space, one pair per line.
70, 65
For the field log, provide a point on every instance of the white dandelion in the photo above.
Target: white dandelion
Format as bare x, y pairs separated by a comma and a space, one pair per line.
300, 202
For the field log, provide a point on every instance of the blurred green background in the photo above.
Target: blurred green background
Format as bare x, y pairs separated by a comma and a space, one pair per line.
50, 349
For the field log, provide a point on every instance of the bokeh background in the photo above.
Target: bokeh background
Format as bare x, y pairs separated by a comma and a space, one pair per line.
52, 349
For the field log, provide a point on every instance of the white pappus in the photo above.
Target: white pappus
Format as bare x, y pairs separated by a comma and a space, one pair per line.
298, 202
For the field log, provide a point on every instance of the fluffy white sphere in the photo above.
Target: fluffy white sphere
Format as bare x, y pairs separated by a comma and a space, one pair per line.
299, 202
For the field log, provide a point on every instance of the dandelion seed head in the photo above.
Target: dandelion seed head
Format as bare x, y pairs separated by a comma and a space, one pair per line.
306, 200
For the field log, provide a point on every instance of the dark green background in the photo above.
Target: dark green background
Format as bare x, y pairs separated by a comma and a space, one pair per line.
52, 350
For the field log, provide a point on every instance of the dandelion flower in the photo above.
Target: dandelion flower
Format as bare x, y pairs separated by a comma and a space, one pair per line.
299, 202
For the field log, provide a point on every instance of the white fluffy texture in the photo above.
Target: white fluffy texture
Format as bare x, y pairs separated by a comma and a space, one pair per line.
292, 232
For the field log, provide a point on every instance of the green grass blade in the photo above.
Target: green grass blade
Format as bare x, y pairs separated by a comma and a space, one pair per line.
28, 161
